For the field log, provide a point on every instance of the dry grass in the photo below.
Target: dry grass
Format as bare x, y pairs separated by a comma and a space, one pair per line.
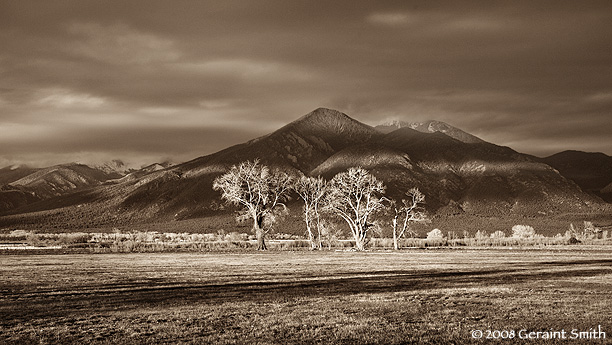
418, 296
25, 242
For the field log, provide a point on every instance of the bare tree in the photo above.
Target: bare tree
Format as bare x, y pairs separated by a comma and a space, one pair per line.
523, 231
312, 190
590, 230
435, 234
410, 210
260, 192
356, 195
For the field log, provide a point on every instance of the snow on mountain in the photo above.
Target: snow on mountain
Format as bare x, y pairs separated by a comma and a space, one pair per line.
431, 126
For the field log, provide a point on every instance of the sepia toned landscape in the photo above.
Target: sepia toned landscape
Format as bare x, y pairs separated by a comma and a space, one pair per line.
278, 256
283, 172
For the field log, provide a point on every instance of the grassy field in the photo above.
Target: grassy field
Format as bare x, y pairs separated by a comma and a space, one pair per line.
414, 296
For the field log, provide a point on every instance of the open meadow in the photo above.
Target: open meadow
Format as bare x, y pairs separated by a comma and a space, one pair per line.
425, 296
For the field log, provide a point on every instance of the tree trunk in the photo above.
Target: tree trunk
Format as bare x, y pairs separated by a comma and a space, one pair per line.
319, 240
261, 239
360, 244
260, 233
311, 238
395, 245
360, 239
359, 234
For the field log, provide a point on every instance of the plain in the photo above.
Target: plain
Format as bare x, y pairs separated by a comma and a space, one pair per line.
434, 296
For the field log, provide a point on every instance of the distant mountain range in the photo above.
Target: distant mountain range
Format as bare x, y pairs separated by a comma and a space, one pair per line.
21, 185
24, 185
431, 126
458, 172
591, 171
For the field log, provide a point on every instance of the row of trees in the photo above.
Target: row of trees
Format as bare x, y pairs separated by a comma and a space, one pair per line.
354, 196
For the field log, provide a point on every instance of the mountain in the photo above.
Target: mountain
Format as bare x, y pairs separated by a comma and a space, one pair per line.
115, 166
592, 171
431, 126
132, 174
39, 184
476, 178
13, 197
301, 145
185, 190
391, 126
59, 179
14, 172
606, 193
458, 175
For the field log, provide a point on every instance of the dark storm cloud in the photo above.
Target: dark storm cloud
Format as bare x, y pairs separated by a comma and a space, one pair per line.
534, 75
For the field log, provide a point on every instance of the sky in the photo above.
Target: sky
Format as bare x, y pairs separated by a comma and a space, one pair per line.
147, 81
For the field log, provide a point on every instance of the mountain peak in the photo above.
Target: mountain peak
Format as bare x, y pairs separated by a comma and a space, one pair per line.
575, 154
115, 166
327, 110
325, 122
431, 126
592, 171
324, 113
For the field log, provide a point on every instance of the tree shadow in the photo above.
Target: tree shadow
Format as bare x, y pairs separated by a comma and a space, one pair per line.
131, 296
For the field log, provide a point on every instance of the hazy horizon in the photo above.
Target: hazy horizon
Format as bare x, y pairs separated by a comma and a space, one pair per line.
149, 81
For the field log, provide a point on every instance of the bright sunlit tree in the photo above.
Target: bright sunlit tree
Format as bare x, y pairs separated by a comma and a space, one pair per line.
259, 191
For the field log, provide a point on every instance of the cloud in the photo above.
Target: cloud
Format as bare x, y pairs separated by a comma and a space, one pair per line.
14, 134
217, 103
389, 19
120, 44
511, 73
134, 144
248, 70
62, 98
600, 97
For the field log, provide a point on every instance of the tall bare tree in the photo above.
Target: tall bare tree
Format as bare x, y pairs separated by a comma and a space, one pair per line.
312, 191
410, 210
260, 191
355, 196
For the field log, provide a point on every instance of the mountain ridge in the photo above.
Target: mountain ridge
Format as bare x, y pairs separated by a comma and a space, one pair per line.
301, 145
592, 171
431, 126
477, 178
